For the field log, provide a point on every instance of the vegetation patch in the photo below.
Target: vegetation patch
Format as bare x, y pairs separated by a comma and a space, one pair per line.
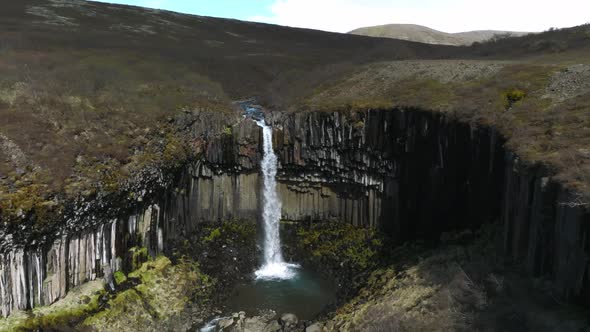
148, 299
161, 291
139, 255
225, 251
463, 285
338, 250
119, 277
513, 96
69, 311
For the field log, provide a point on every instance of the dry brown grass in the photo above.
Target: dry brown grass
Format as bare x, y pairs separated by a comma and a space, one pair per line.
540, 127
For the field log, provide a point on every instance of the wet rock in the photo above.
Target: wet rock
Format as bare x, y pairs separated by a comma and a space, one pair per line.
272, 326
225, 323
288, 320
265, 322
317, 327
255, 324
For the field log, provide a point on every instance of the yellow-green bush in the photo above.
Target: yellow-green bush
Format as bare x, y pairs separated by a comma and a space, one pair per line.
513, 96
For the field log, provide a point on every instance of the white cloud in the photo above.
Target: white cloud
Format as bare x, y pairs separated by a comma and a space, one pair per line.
449, 15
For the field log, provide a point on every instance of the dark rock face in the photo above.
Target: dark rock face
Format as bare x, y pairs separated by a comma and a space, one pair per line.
545, 231
416, 174
412, 174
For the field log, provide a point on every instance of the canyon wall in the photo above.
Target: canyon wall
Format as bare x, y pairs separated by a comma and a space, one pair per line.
410, 173
34, 276
92, 243
416, 174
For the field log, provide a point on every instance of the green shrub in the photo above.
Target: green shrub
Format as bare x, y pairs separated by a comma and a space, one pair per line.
119, 277
215, 233
513, 96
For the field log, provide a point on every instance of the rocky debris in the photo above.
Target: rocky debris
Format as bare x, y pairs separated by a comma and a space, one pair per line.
378, 77
10, 149
225, 323
570, 82
317, 327
50, 17
266, 321
288, 321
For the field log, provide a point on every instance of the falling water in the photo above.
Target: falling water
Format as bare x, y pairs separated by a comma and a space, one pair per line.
274, 267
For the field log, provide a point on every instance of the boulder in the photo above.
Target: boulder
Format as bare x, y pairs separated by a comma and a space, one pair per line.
288, 320
317, 327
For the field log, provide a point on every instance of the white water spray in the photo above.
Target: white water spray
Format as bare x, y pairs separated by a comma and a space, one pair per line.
274, 267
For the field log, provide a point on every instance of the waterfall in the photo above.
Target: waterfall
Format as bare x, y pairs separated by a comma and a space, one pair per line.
274, 267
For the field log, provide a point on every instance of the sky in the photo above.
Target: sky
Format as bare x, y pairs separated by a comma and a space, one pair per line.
346, 15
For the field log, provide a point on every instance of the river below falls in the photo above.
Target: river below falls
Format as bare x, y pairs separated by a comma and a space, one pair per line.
305, 295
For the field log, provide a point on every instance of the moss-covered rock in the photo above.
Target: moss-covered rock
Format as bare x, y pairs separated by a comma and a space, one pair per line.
226, 251
64, 314
339, 250
119, 277
164, 290
139, 255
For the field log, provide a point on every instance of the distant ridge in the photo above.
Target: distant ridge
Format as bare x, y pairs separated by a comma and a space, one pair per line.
422, 34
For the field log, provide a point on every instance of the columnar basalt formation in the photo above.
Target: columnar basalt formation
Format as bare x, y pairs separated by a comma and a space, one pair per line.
92, 244
411, 173
408, 172
417, 174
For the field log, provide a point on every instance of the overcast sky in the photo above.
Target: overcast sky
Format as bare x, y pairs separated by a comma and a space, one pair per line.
346, 15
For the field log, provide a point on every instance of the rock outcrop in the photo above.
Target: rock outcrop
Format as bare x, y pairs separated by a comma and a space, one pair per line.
410, 173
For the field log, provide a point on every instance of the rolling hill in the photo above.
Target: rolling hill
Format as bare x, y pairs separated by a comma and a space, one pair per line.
427, 35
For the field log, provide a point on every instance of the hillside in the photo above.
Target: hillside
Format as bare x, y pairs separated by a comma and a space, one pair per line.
427, 35
89, 92
86, 83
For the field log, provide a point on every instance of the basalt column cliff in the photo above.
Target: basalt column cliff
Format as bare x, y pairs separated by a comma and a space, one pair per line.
411, 173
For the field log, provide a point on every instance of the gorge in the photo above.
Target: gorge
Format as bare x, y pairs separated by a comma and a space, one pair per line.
170, 172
